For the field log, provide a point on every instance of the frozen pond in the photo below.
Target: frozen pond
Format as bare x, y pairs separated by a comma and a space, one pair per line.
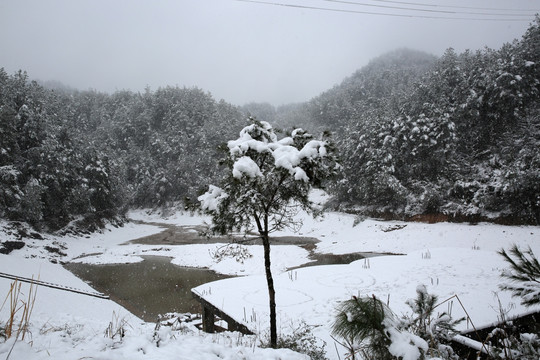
156, 286
148, 288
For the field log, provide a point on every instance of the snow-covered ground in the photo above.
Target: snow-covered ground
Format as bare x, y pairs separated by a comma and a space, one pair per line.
450, 259
65, 325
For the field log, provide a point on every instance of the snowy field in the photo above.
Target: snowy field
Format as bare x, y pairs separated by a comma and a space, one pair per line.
450, 259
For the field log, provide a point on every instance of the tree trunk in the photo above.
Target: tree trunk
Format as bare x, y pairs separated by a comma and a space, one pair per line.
271, 290
263, 231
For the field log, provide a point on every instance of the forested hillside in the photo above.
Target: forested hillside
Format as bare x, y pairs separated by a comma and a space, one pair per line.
87, 156
457, 135
464, 140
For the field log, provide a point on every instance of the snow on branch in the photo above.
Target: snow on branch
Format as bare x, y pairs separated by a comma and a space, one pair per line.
245, 165
262, 139
211, 199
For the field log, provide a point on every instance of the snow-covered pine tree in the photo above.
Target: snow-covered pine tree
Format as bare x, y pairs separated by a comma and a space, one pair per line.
267, 182
523, 275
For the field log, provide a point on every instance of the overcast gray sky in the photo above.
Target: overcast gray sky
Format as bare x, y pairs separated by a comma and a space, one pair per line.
276, 51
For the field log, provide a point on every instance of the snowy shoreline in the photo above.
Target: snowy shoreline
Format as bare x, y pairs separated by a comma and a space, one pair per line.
448, 258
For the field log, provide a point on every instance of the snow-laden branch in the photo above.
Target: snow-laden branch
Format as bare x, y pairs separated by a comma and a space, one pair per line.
210, 200
286, 155
246, 166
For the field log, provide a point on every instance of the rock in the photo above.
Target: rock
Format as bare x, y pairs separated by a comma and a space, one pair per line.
8, 246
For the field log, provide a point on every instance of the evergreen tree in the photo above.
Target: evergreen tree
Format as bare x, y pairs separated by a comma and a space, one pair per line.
267, 181
360, 323
523, 276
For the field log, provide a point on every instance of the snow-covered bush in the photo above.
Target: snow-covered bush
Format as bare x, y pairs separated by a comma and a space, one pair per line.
437, 329
508, 344
302, 340
527, 346
233, 250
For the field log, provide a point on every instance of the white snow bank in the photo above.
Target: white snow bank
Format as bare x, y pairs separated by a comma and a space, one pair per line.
339, 235
85, 338
311, 294
56, 309
170, 217
203, 256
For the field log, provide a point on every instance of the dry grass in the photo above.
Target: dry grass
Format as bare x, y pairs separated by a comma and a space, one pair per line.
20, 310
116, 328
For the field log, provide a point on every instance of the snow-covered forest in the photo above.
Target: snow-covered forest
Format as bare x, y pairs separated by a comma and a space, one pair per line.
454, 137
457, 136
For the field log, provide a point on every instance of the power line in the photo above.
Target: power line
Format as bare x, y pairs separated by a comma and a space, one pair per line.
52, 285
376, 13
454, 6
423, 10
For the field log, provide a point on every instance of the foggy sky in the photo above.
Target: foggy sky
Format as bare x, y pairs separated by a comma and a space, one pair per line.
238, 51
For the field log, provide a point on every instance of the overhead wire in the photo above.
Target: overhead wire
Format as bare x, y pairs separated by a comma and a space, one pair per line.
341, 10
453, 6
423, 10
